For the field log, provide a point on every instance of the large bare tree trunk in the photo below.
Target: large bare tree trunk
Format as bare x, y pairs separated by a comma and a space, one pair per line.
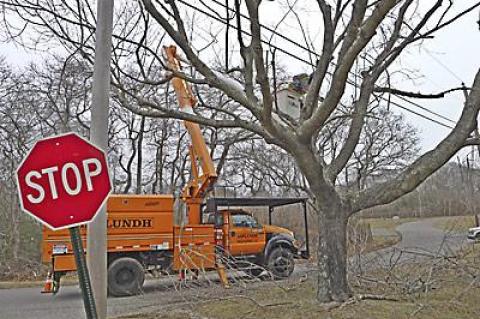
332, 255
332, 213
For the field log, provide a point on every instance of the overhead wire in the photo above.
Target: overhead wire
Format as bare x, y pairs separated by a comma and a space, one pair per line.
271, 30
425, 109
284, 51
443, 65
317, 56
245, 32
421, 115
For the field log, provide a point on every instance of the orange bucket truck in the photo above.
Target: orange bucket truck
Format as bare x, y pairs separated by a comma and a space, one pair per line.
142, 234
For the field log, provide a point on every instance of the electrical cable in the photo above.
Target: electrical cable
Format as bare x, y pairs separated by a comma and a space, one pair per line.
425, 109
245, 32
311, 64
317, 55
271, 30
420, 115
443, 65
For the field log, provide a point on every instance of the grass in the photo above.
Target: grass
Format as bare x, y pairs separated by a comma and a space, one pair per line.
300, 302
381, 242
455, 296
455, 223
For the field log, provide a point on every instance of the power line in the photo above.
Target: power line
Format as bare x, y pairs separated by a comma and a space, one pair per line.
443, 65
425, 109
317, 56
419, 114
246, 33
311, 64
270, 30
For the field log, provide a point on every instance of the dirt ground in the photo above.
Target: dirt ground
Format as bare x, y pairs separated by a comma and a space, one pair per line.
431, 286
299, 302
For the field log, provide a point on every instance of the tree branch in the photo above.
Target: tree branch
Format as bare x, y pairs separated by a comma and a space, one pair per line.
358, 120
428, 163
417, 95
181, 40
311, 99
340, 76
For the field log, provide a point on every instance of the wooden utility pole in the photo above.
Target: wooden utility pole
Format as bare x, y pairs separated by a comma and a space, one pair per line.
97, 230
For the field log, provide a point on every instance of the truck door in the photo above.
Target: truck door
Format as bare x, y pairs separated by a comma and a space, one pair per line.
221, 228
246, 235
221, 223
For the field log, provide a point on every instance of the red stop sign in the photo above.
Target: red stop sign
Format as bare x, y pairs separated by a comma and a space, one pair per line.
63, 181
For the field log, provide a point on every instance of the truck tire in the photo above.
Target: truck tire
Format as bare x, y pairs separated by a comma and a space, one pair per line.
280, 263
125, 277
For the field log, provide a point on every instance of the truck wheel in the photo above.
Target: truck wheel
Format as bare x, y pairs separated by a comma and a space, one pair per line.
280, 263
125, 277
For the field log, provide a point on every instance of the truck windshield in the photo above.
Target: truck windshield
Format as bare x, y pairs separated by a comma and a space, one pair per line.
240, 220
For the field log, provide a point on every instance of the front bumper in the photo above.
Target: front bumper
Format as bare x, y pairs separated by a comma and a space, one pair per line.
302, 252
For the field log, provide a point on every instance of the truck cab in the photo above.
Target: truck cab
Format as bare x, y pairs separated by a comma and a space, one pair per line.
240, 236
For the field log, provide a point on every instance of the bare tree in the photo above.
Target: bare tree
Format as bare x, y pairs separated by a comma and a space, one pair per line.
333, 207
18, 129
373, 32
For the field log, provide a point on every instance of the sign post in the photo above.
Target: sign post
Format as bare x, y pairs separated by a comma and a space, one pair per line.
83, 276
62, 182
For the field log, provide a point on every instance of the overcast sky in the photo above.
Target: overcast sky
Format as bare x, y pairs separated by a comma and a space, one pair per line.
440, 63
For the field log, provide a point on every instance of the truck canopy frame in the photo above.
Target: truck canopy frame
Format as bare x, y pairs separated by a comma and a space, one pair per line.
212, 205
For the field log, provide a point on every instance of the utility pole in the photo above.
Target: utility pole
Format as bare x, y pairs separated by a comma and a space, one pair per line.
97, 230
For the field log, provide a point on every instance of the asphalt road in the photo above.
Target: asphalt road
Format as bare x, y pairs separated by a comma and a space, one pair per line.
420, 240
68, 303
157, 293
417, 238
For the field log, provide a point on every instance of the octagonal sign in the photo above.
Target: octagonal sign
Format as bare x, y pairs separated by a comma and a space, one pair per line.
63, 181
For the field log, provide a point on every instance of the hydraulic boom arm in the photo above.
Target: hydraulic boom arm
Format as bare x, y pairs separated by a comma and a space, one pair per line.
199, 184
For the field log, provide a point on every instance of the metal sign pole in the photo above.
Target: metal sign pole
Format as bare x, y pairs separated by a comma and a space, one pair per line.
82, 271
